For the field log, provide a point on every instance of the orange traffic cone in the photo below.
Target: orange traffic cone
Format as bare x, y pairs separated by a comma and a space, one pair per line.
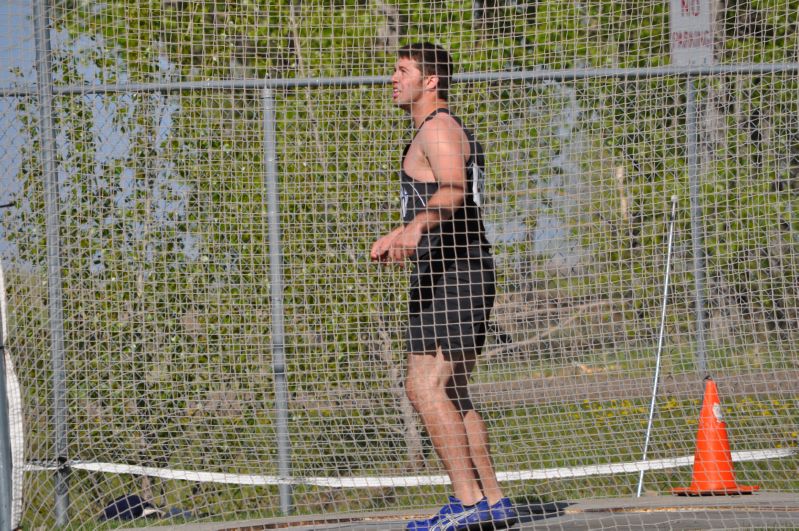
713, 474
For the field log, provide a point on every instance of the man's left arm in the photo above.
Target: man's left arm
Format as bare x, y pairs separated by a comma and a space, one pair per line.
444, 148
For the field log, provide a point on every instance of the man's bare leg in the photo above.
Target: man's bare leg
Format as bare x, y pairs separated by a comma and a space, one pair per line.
476, 432
479, 451
426, 387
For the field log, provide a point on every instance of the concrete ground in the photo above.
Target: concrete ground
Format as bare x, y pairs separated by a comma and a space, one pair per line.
763, 510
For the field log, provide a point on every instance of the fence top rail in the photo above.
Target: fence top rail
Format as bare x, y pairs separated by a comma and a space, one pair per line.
520, 75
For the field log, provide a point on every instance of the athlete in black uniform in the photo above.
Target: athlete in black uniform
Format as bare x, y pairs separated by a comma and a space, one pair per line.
452, 286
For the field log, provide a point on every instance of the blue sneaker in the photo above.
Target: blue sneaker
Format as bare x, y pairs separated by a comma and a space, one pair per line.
454, 516
501, 515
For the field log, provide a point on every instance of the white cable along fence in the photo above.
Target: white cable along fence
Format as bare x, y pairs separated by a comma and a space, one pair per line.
194, 187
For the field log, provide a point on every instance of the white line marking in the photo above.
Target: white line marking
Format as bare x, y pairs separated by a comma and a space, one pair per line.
408, 481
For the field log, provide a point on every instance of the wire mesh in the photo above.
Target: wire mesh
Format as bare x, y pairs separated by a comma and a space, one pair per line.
165, 256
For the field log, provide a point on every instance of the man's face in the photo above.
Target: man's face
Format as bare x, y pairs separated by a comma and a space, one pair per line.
407, 82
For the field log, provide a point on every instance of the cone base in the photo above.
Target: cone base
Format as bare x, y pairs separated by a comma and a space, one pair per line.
692, 491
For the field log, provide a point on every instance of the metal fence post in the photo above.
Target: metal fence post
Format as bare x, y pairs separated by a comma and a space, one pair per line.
696, 222
44, 89
6, 463
276, 290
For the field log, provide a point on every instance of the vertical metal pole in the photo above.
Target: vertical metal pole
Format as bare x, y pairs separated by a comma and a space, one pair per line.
672, 217
276, 284
44, 86
6, 462
696, 223
478, 10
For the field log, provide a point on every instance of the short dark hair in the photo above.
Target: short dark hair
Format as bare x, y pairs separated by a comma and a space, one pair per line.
433, 61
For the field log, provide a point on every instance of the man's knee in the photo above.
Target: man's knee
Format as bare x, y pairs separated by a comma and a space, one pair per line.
459, 396
425, 380
411, 390
417, 386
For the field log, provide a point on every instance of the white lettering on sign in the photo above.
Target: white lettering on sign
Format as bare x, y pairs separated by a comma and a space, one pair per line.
691, 33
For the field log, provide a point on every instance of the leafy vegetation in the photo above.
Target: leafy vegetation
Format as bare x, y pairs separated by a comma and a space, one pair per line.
164, 228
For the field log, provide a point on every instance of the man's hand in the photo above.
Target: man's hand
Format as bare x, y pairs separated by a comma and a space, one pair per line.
405, 244
397, 245
379, 252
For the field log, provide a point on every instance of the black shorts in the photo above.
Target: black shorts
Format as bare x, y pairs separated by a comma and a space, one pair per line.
450, 304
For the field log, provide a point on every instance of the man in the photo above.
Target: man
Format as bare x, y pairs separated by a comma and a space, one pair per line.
452, 286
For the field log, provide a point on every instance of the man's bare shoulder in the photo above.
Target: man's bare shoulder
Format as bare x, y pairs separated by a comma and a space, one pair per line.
442, 129
441, 122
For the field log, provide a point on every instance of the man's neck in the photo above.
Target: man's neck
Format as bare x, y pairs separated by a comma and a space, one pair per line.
422, 109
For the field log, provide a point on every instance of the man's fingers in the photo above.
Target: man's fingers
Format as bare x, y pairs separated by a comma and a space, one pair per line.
378, 251
399, 254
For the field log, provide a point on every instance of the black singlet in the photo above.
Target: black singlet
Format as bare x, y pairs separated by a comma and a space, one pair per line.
462, 235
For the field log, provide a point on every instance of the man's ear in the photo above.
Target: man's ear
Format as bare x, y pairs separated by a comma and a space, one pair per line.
431, 82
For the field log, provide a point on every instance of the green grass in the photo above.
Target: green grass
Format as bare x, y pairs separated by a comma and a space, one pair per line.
546, 436
675, 359
530, 437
